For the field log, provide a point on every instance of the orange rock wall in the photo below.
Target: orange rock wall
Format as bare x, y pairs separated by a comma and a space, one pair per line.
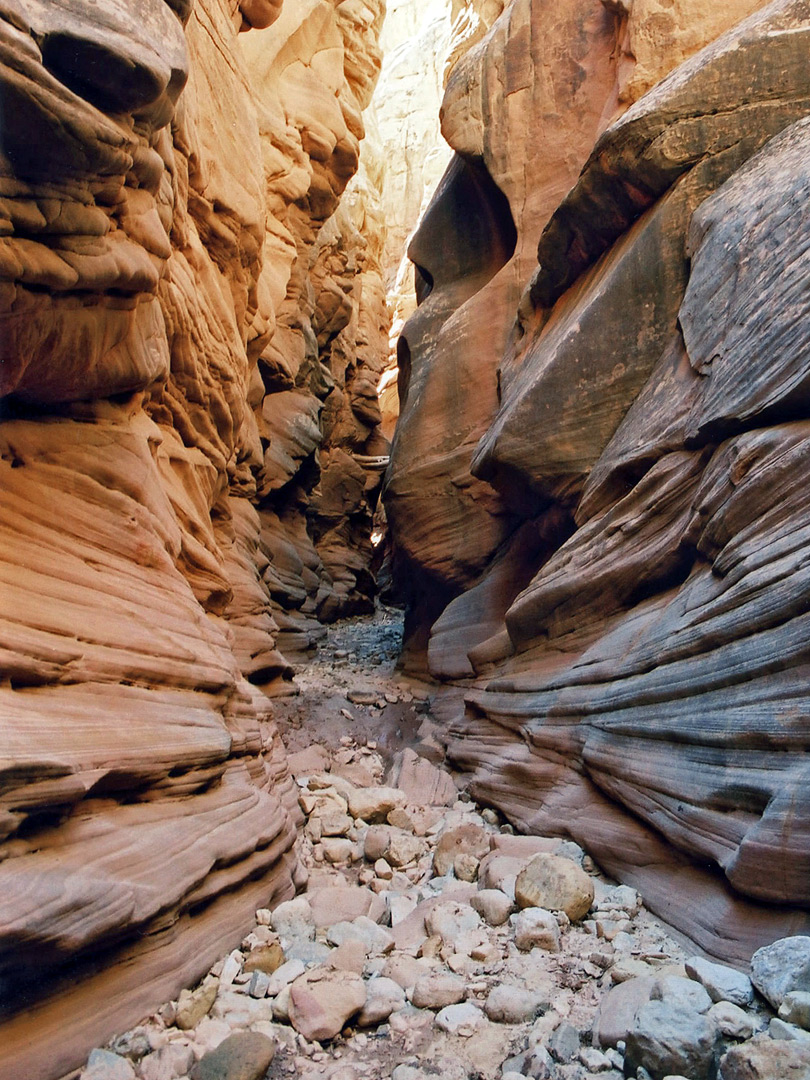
174, 279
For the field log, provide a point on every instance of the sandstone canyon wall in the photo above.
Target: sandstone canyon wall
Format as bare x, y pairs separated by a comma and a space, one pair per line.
596, 490
191, 329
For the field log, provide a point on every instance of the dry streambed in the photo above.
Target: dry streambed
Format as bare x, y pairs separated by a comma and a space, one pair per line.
431, 941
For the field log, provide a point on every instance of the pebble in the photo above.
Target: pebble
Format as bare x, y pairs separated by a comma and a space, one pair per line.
493, 906
434, 991
510, 1005
536, 928
462, 1019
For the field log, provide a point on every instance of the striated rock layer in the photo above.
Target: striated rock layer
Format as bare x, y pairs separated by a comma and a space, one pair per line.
176, 322
596, 489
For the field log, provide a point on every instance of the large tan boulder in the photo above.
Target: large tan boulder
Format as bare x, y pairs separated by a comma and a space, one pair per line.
549, 881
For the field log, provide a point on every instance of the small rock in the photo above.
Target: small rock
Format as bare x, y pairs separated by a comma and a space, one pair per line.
732, 1021
594, 1060
564, 1043
293, 920
554, 883
322, 1001
618, 1010
436, 990
671, 1039
383, 996
536, 928
281, 1006
404, 969
680, 991
133, 1044
510, 1005
231, 968
337, 849
342, 903
466, 839
376, 841
463, 1019
167, 1063
722, 983
779, 1029
335, 824
449, 919
382, 868
765, 1059
309, 952
245, 1055
465, 867
266, 958
404, 848
795, 1008
399, 908
781, 967
193, 1005
373, 804
374, 938
105, 1065
493, 906
284, 975
350, 956
259, 981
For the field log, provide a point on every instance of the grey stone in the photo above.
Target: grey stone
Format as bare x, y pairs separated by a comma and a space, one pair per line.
308, 952
679, 991
375, 938
259, 982
564, 1043
732, 1021
536, 928
293, 920
781, 967
462, 1019
383, 996
668, 1038
722, 983
795, 1009
105, 1065
618, 1009
245, 1055
779, 1029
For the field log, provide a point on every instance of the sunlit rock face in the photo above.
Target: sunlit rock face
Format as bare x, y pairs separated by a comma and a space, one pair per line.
612, 487
160, 204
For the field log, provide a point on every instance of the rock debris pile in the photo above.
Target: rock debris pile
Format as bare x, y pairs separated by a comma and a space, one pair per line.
433, 941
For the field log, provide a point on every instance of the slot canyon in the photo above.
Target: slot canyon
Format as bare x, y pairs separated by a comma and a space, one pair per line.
405, 626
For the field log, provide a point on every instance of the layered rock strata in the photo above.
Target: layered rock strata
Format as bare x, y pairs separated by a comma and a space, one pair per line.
616, 503
162, 417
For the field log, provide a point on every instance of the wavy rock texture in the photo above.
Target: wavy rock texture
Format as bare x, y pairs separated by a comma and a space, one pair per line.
173, 316
631, 603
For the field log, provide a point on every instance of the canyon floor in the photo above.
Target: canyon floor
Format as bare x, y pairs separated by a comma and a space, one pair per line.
432, 941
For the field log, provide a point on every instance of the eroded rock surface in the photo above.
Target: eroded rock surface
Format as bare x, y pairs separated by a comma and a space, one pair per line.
180, 295
617, 504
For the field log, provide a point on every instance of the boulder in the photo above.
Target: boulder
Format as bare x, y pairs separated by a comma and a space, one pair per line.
323, 1001
551, 882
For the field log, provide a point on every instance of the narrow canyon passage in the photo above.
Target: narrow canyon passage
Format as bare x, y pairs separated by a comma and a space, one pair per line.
493, 311
422, 944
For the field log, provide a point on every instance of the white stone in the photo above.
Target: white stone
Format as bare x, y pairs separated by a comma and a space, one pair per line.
463, 1019
536, 928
